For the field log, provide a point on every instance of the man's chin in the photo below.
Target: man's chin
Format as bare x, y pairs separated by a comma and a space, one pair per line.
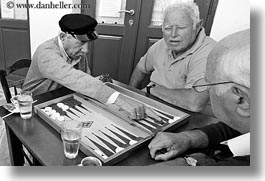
176, 47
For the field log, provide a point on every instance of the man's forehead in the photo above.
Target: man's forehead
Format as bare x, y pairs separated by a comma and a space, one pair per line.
180, 15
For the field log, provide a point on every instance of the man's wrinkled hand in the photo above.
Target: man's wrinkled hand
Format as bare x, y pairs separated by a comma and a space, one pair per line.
166, 146
149, 112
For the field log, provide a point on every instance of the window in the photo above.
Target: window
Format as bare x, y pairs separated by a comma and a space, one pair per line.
108, 11
158, 10
9, 10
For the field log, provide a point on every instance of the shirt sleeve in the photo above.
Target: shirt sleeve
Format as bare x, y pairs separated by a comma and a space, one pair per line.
218, 132
197, 65
146, 63
142, 65
54, 67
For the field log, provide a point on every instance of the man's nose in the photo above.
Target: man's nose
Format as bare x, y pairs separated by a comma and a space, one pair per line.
85, 48
174, 32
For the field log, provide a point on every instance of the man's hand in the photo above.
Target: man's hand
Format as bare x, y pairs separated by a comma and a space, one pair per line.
135, 109
166, 145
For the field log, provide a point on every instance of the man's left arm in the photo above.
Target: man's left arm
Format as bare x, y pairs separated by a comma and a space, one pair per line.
185, 98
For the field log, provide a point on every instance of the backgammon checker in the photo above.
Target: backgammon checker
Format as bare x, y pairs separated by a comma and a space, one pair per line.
107, 132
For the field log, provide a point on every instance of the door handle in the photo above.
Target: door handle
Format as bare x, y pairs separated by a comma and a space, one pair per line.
131, 12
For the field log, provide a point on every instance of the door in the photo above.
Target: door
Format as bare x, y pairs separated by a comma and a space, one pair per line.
14, 35
125, 37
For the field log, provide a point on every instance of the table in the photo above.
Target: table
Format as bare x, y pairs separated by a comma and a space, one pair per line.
45, 145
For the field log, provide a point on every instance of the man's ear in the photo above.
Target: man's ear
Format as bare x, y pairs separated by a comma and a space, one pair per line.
243, 100
199, 25
62, 36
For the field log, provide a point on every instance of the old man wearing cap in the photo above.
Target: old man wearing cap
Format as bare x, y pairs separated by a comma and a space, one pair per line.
55, 61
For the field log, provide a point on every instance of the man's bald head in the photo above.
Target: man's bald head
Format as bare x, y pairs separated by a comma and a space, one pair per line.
229, 62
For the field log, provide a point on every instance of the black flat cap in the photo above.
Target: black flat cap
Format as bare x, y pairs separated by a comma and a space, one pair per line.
79, 24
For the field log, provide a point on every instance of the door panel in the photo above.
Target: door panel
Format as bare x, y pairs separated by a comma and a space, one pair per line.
18, 47
14, 36
107, 46
14, 42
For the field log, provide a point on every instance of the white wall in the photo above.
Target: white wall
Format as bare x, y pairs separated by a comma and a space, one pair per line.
230, 16
44, 22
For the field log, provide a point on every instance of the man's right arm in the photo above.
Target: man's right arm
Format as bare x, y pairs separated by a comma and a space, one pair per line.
137, 77
143, 68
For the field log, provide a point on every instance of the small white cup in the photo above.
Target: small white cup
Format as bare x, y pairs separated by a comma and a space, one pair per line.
90, 161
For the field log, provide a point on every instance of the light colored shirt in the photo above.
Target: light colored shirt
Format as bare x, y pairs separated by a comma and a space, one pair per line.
51, 68
182, 71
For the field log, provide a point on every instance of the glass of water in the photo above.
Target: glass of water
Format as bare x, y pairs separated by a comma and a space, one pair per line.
71, 133
25, 101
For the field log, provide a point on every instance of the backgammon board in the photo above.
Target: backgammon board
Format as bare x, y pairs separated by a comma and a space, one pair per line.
107, 132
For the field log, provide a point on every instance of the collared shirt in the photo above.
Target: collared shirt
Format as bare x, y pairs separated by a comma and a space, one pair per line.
50, 70
179, 72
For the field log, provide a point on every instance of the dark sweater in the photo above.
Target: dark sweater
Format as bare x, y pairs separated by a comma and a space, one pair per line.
218, 133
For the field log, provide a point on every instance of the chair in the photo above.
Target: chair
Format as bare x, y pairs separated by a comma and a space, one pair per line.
6, 85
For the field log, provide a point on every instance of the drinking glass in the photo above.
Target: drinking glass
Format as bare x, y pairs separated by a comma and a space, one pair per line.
25, 100
71, 133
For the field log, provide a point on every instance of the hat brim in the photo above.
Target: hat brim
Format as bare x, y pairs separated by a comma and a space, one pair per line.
87, 37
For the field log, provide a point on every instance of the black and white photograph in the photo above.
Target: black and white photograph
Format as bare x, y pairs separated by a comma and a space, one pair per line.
145, 84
